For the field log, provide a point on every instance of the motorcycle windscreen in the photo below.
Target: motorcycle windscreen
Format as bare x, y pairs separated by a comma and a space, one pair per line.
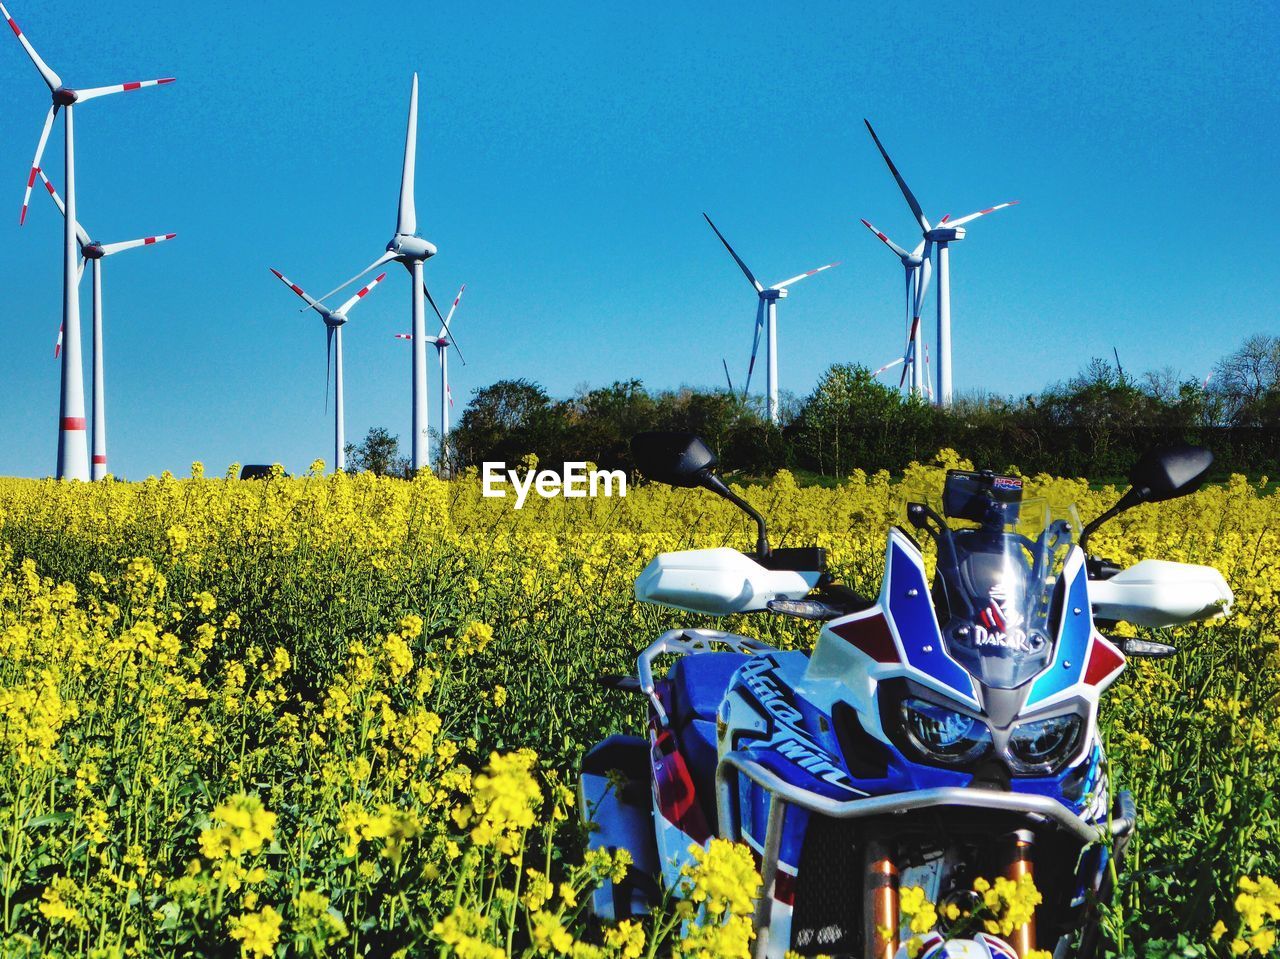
998, 584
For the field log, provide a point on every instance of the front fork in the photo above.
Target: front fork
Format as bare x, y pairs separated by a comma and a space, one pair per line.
881, 915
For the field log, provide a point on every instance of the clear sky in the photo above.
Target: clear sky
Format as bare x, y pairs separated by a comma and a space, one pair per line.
566, 151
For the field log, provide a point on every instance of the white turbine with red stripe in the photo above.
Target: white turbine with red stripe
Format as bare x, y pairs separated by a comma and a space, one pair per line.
946, 232
767, 306
441, 342
95, 253
334, 320
73, 450
413, 251
917, 270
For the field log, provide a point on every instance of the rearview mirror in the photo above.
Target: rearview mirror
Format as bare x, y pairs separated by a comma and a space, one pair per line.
1170, 471
673, 457
684, 459
1162, 473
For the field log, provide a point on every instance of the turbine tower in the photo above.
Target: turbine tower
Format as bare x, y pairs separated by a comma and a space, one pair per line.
441, 342
73, 450
941, 236
918, 270
413, 251
95, 253
767, 308
333, 322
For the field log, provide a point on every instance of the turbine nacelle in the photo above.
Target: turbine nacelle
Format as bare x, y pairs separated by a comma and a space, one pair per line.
334, 320
409, 247
945, 234
65, 96
92, 251
771, 295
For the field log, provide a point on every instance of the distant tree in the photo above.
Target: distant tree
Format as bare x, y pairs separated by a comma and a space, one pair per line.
377, 453
1248, 382
506, 421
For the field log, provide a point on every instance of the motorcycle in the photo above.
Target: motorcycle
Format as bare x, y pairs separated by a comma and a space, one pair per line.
942, 731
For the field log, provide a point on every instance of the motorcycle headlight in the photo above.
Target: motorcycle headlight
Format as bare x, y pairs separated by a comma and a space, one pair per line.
944, 734
1044, 745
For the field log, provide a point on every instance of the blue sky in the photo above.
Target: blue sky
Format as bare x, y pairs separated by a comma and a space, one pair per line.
565, 154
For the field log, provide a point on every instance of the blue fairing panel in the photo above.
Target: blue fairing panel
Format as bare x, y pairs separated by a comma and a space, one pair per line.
910, 606
1073, 637
698, 683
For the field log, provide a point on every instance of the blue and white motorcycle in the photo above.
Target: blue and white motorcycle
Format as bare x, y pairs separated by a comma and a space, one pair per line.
943, 731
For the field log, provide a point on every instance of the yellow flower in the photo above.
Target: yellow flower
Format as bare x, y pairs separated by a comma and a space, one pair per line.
257, 932
627, 937
243, 825
722, 877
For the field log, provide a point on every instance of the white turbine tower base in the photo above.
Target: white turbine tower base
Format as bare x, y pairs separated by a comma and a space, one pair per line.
334, 320
946, 231
73, 448
442, 341
766, 319
411, 250
97, 252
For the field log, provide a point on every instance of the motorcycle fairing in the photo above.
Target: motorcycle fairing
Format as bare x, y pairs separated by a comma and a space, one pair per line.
905, 595
1084, 663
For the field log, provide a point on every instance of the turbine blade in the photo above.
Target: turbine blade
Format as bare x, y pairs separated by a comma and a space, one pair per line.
407, 221
313, 304
797, 279
80, 231
727, 377
755, 346
973, 216
361, 294
886, 241
110, 248
80, 270
431, 301
57, 347
888, 366
35, 164
922, 285
94, 92
902, 184
386, 257
52, 79
444, 330
737, 259
403, 336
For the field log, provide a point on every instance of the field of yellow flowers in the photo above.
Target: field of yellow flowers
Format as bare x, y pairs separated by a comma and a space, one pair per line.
342, 715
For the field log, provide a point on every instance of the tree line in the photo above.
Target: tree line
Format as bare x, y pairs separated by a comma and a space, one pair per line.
1094, 424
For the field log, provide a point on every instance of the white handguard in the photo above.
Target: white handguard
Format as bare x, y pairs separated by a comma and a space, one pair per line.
718, 581
1156, 592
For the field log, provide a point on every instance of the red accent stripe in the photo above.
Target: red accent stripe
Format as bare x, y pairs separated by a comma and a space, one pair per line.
32, 179
166, 79
132, 85
170, 236
872, 636
100, 460
73, 423
14, 27
149, 240
296, 289
784, 889
1104, 659
49, 186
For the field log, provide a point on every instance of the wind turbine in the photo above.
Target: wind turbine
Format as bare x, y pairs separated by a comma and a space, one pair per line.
333, 322
442, 342
918, 270
73, 450
946, 232
411, 250
95, 252
768, 307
